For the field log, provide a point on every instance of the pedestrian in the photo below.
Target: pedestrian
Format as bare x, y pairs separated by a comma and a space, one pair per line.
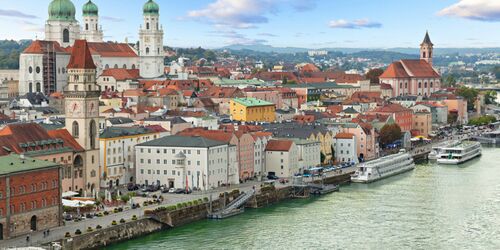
44, 234
28, 238
48, 232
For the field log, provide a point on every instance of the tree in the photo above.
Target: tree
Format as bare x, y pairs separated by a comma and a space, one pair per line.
390, 133
374, 75
490, 97
449, 81
125, 198
483, 120
469, 94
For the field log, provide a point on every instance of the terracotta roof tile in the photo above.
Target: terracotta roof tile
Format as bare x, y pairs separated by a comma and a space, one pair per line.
279, 145
344, 136
122, 74
40, 47
395, 70
81, 57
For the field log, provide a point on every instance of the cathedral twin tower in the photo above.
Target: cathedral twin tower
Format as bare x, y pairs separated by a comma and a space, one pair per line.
63, 28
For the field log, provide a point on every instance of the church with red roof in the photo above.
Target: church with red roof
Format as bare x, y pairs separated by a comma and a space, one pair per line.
414, 77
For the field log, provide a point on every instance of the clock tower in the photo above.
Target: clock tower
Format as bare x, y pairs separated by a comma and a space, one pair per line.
82, 111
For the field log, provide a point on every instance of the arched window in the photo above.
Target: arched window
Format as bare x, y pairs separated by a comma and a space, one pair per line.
425, 84
420, 84
432, 85
86, 26
430, 54
96, 27
157, 26
38, 87
116, 66
37, 70
133, 66
400, 85
424, 54
124, 66
65, 36
75, 129
406, 85
147, 26
31, 87
92, 134
30, 69
147, 51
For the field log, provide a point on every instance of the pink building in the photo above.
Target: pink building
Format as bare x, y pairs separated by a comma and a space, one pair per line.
366, 141
413, 77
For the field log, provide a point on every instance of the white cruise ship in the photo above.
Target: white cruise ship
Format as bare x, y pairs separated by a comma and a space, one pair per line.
436, 150
383, 167
459, 153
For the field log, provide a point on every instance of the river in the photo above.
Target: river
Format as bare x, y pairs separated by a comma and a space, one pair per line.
432, 207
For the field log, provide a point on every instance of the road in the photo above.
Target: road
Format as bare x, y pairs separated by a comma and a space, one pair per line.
38, 238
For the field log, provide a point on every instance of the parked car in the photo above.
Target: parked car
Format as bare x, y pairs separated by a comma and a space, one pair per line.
272, 177
132, 187
179, 191
171, 190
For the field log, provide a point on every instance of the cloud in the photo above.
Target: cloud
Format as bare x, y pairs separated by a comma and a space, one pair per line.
267, 34
245, 14
236, 38
112, 19
482, 10
355, 24
15, 13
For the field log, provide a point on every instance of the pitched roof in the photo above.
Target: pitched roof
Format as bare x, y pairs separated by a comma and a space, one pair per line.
419, 68
183, 141
344, 136
122, 74
69, 140
279, 145
110, 49
395, 70
217, 135
391, 108
427, 39
41, 47
81, 57
113, 132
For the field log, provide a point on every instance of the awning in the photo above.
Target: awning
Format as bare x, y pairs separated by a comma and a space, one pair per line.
76, 203
69, 194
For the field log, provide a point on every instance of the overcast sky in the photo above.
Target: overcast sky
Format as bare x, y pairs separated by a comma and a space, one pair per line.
295, 23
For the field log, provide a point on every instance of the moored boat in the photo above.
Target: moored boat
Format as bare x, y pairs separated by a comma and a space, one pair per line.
460, 153
383, 167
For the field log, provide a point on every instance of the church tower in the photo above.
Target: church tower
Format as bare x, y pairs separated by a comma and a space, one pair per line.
62, 26
91, 31
82, 111
151, 42
426, 49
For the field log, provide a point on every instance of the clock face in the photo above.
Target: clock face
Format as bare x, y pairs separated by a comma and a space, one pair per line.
73, 108
92, 108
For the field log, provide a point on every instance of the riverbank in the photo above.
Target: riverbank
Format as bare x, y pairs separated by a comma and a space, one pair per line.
161, 218
432, 207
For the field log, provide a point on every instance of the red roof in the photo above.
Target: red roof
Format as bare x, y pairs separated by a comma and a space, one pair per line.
12, 135
344, 136
217, 135
121, 74
40, 47
279, 145
222, 92
395, 70
409, 68
81, 57
109, 49
391, 108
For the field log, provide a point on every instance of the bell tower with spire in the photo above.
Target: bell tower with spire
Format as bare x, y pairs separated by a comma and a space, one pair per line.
62, 26
426, 49
82, 111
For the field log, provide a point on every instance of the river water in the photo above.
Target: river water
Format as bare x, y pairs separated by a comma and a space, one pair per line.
432, 207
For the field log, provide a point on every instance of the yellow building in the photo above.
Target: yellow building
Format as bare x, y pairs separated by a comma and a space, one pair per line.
252, 109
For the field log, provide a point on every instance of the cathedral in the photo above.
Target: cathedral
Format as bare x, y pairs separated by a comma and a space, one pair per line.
42, 66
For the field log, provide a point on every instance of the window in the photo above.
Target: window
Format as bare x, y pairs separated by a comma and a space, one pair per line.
165, 172
147, 26
76, 129
173, 172
142, 171
30, 69
38, 87
65, 36
86, 26
147, 51
37, 70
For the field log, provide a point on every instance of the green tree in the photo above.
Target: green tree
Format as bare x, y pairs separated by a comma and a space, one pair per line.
449, 81
374, 75
490, 97
483, 120
390, 133
125, 198
469, 94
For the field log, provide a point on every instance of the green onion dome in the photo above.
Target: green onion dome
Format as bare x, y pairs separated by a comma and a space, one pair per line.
62, 10
90, 9
151, 8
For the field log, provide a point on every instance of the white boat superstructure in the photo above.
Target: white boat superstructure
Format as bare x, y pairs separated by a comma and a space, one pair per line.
383, 167
459, 153
436, 150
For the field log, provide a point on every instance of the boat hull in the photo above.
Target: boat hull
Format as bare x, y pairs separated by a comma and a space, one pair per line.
370, 180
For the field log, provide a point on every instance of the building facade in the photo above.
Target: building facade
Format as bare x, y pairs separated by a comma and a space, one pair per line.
151, 42
345, 148
252, 110
30, 195
282, 158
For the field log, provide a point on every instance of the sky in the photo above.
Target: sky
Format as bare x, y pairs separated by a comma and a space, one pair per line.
282, 23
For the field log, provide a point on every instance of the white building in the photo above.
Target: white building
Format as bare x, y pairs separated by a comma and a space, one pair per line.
344, 145
261, 139
309, 153
282, 158
62, 27
184, 161
151, 42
